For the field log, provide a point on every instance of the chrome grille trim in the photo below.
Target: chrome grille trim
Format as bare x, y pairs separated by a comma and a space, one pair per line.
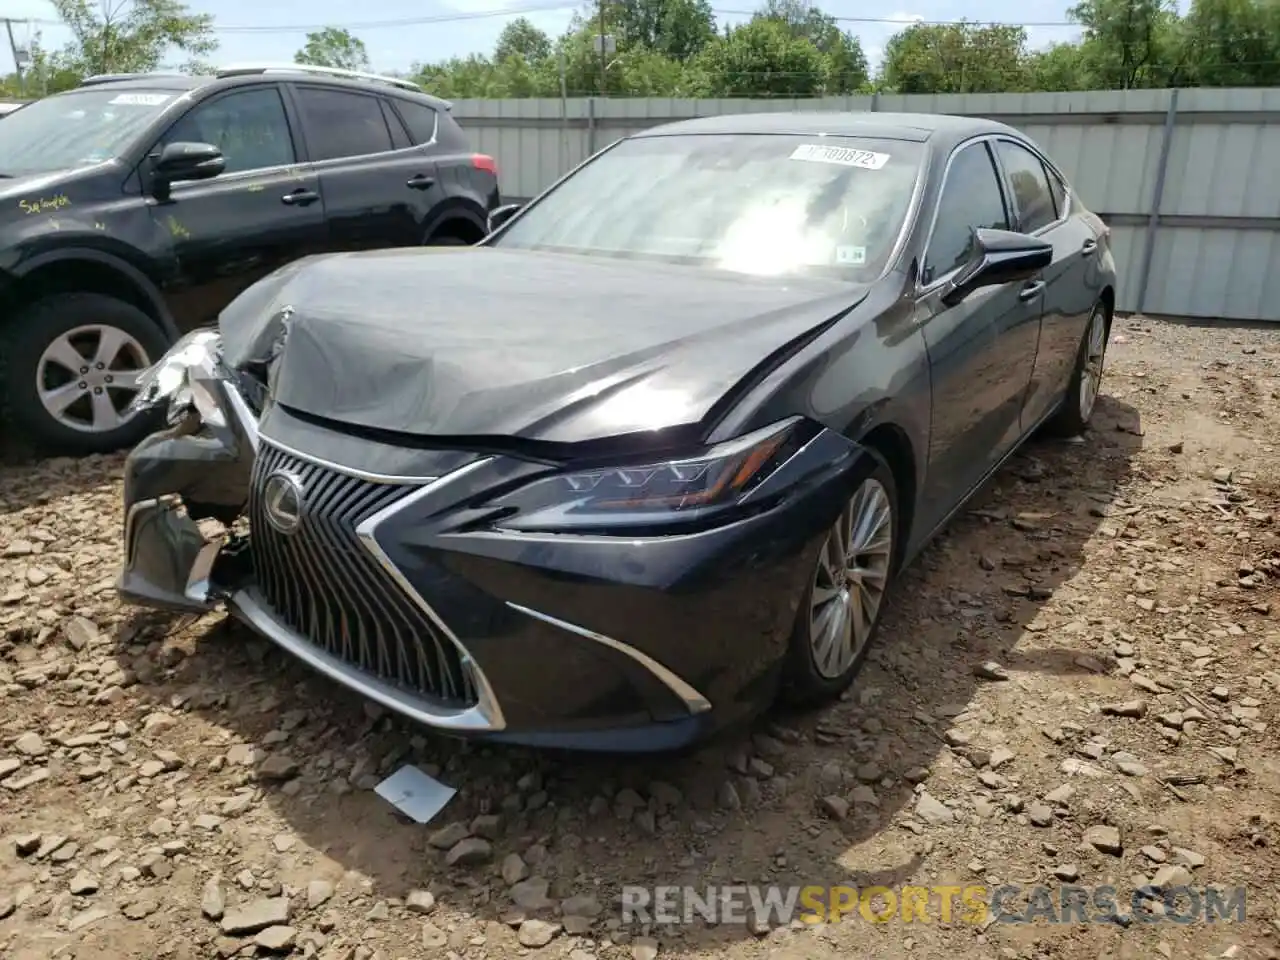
331, 584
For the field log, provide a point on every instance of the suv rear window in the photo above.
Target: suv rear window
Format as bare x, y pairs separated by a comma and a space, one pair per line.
420, 120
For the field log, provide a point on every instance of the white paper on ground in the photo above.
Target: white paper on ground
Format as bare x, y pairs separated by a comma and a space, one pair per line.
416, 795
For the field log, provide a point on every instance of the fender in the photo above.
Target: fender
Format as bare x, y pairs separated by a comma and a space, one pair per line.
139, 279
457, 208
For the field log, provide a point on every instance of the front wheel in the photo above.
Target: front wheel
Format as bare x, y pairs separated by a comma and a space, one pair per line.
1086, 378
71, 365
841, 606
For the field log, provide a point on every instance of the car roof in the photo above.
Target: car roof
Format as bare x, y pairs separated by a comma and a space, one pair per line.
917, 127
185, 82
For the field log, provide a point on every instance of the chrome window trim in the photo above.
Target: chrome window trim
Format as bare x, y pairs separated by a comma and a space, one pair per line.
1051, 168
693, 701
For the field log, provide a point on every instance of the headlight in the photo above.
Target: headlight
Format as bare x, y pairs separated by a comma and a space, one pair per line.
685, 489
184, 379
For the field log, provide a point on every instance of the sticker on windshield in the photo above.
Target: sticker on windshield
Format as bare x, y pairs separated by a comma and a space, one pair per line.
851, 256
139, 99
845, 156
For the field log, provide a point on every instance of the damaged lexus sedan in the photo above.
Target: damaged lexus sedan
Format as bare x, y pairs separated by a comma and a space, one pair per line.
650, 455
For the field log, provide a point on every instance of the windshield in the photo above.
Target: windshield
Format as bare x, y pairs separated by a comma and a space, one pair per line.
76, 129
758, 204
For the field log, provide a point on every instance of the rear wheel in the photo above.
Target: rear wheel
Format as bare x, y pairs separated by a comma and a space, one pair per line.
1086, 379
841, 607
71, 367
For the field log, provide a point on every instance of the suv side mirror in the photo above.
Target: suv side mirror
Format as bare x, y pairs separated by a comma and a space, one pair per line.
177, 162
500, 215
996, 257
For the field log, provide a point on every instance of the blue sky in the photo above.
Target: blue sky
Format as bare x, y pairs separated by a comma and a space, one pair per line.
248, 31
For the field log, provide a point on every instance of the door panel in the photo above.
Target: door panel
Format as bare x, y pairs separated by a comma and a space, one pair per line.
981, 351
229, 232
375, 194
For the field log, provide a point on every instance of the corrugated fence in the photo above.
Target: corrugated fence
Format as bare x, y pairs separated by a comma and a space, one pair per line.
1189, 180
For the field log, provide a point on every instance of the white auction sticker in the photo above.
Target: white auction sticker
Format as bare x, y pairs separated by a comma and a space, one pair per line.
139, 99
845, 156
846, 255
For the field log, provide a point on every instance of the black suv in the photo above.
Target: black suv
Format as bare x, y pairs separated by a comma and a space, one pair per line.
134, 208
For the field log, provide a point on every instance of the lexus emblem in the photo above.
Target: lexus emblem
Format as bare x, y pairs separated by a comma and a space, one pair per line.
282, 501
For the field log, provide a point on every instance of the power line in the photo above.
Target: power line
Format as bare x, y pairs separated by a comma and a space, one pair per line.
556, 5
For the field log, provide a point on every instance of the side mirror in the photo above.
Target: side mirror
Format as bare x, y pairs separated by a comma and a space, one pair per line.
177, 162
996, 257
500, 215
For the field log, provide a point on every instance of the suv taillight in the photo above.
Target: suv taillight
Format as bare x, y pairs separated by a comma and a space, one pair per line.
482, 161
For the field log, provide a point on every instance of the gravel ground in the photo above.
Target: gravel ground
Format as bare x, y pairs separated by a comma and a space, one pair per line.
1078, 683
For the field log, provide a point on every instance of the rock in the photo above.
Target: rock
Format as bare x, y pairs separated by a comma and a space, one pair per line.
212, 901
727, 796
1190, 858
7, 906
80, 633
1105, 839
837, 808
1040, 814
433, 938
990, 671
86, 917
514, 869
1171, 875
30, 744
487, 826
531, 894
26, 844
932, 810
469, 852
1128, 708
644, 948
278, 939
1067, 872
537, 933
140, 909
583, 905
9, 765
83, 884
255, 916
278, 767
420, 901
448, 837
999, 757
319, 892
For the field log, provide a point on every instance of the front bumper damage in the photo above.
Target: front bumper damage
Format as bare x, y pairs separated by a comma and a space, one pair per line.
573, 642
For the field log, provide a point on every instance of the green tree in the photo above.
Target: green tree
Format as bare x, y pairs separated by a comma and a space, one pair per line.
521, 38
132, 36
678, 29
1232, 43
955, 58
334, 47
1059, 66
1129, 43
762, 58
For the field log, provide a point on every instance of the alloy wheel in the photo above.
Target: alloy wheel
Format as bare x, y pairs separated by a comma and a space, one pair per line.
850, 580
1095, 356
86, 377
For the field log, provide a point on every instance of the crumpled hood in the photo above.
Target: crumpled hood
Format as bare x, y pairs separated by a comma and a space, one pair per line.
482, 341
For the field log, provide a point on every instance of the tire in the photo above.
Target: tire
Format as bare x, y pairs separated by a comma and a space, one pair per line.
807, 680
1081, 397
29, 348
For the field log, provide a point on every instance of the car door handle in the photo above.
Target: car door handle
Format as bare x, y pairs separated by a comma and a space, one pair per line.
421, 182
1031, 290
1089, 246
300, 197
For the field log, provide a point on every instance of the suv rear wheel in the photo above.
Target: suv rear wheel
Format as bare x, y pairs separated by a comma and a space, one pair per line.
71, 366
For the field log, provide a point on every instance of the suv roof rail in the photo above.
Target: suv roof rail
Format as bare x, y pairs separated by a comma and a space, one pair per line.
113, 77
247, 69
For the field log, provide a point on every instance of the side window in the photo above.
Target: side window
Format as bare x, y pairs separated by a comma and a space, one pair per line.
1029, 184
340, 124
420, 119
970, 198
1059, 191
249, 127
399, 137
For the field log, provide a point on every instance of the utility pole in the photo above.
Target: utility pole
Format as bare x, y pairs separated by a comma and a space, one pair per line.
17, 62
603, 51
